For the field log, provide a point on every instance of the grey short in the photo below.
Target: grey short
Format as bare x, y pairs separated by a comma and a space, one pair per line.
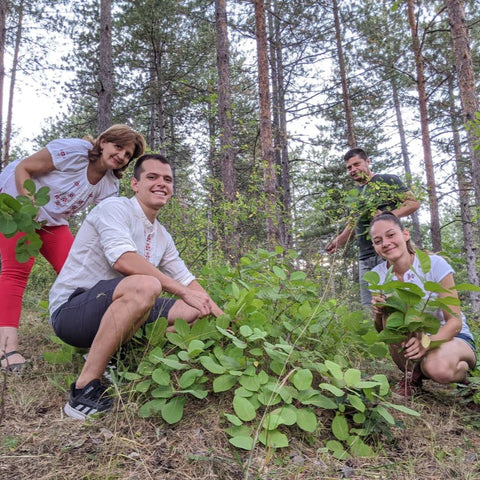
77, 321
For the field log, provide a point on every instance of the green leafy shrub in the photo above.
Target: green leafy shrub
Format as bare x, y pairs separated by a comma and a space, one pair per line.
19, 215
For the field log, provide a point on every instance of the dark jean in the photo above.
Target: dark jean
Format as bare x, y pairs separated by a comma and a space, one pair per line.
77, 321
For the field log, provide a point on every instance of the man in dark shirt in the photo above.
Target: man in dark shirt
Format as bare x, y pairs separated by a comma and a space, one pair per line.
376, 193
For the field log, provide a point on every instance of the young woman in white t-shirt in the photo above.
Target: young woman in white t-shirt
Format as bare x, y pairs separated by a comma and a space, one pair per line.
79, 173
451, 360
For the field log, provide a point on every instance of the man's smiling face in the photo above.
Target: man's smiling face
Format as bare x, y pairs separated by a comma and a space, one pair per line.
154, 188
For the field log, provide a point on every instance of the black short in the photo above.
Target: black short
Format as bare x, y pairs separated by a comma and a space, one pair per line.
77, 321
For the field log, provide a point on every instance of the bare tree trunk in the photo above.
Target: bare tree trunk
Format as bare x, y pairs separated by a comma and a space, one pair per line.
3, 35
105, 74
466, 82
8, 129
352, 143
266, 136
227, 163
280, 129
427, 149
406, 160
469, 244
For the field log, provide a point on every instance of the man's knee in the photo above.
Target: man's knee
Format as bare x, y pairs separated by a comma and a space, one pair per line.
140, 289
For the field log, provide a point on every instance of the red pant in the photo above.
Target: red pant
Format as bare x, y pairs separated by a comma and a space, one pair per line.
14, 275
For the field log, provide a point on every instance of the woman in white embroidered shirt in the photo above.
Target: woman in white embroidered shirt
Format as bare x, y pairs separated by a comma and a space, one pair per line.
450, 361
79, 173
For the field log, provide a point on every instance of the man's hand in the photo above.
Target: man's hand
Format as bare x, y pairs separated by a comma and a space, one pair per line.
198, 299
340, 240
333, 246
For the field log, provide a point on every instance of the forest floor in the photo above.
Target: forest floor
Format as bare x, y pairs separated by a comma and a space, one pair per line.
38, 442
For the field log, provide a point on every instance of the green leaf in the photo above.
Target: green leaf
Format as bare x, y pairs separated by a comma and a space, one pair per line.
302, 379
279, 272
383, 383
29, 186
273, 439
306, 420
224, 383
237, 342
250, 383
383, 412
189, 377
195, 347
174, 364
233, 419
197, 393
272, 421
182, 327
244, 409
334, 369
212, 366
298, 276
287, 413
467, 287
245, 330
143, 387
244, 442
337, 450
395, 320
390, 336
360, 449
403, 409
332, 389
152, 407
424, 260
172, 412
356, 402
340, 427
372, 278
161, 377
352, 377
162, 391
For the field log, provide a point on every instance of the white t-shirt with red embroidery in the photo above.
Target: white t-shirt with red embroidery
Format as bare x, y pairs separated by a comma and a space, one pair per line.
114, 227
439, 269
70, 190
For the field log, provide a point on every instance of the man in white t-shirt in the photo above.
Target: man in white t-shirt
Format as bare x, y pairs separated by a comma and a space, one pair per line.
110, 284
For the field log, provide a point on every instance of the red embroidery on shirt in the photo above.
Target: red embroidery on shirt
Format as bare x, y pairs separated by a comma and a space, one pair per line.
148, 246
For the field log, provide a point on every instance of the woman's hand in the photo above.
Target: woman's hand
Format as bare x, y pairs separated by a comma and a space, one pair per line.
413, 348
379, 312
378, 299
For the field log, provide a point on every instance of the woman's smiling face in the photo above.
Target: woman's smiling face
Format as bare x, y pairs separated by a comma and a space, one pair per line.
389, 240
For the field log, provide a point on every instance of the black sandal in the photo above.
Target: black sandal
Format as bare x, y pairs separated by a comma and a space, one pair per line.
12, 367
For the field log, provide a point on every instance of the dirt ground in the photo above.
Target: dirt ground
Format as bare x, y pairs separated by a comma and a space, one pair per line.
39, 443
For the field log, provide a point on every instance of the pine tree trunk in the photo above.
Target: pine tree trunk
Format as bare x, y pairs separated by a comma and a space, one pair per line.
13, 76
464, 193
266, 136
427, 149
406, 159
280, 128
105, 73
343, 78
466, 82
3, 34
227, 154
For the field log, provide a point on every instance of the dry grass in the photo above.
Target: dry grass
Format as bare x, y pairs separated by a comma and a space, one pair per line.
39, 443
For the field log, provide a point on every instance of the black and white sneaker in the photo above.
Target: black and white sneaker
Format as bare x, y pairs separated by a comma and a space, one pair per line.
87, 401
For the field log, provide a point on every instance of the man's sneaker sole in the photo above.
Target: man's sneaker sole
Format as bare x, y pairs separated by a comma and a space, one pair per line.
78, 414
